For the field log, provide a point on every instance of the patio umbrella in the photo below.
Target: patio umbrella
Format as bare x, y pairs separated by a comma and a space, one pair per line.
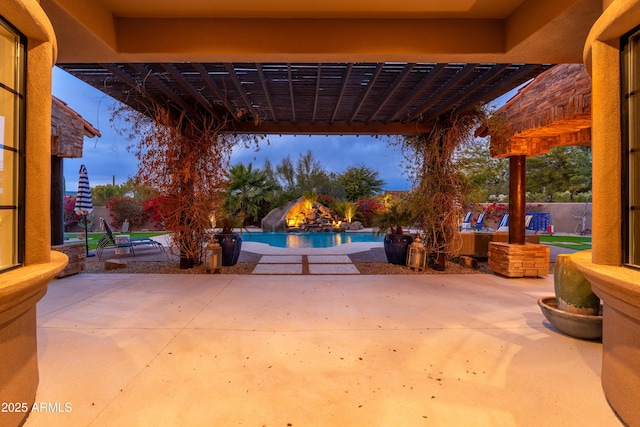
84, 202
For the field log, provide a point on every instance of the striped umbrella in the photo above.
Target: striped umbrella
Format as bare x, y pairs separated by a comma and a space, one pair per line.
84, 202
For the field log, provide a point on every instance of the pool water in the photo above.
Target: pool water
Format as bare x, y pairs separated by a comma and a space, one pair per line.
310, 240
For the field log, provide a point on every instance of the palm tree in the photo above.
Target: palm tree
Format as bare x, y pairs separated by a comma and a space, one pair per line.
250, 193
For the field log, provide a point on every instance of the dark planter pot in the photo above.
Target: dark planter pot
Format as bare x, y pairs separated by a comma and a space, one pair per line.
231, 245
396, 247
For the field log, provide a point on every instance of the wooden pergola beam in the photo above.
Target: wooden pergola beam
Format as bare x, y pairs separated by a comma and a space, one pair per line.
243, 94
178, 78
150, 77
387, 96
370, 86
345, 83
265, 88
441, 92
427, 82
336, 128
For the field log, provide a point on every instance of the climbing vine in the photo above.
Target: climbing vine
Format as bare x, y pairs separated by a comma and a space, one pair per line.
438, 189
185, 160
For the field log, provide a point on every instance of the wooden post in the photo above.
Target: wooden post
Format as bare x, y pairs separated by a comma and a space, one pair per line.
57, 201
517, 199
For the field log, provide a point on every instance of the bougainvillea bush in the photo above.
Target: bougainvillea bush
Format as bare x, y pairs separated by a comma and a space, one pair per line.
326, 200
366, 209
128, 208
152, 208
494, 211
70, 217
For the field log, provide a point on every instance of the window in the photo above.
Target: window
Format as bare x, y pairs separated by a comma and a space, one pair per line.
631, 145
12, 89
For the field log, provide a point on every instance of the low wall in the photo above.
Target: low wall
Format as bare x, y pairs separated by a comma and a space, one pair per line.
103, 211
77, 254
476, 243
564, 216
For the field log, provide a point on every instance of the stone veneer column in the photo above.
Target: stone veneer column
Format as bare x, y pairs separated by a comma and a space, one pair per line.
529, 260
517, 259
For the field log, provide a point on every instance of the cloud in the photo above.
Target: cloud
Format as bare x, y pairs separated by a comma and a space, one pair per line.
104, 157
335, 153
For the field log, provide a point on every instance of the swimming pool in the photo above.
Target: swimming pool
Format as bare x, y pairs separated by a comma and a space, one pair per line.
310, 240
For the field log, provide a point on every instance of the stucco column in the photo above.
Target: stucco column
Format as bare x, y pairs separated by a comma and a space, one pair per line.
607, 154
38, 165
517, 199
21, 288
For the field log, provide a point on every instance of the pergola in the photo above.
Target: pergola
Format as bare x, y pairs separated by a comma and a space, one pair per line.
309, 98
333, 67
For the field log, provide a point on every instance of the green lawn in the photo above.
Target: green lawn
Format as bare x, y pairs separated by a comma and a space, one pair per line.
94, 237
579, 243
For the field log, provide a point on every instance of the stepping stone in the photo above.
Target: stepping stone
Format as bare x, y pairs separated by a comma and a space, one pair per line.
277, 269
333, 269
115, 264
280, 259
329, 259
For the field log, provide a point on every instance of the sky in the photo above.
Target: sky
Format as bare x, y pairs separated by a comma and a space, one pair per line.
107, 159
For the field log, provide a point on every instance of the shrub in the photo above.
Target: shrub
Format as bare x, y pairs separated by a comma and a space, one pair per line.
494, 211
152, 209
124, 207
70, 217
326, 200
345, 209
366, 209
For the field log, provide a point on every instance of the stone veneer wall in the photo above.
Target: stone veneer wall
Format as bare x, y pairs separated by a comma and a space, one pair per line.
528, 260
77, 254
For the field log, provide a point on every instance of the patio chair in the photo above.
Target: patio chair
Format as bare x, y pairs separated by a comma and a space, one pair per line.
466, 223
504, 223
110, 240
480, 222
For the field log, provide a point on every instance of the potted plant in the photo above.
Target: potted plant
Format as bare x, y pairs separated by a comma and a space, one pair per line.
575, 309
573, 290
396, 242
230, 241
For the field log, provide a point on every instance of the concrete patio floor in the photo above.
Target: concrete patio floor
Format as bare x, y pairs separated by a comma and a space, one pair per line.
222, 350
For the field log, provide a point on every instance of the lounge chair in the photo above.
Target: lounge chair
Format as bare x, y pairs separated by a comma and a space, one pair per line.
480, 222
527, 220
466, 223
110, 240
504, 223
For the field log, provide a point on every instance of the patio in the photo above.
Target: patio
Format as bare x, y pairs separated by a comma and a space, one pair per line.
314, 350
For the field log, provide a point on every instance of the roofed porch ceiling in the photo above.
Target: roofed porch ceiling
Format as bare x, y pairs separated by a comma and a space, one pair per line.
480, 31
337, 66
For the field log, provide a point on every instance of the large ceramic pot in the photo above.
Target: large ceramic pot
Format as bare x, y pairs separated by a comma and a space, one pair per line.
573, 291
396, 247
231, 245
